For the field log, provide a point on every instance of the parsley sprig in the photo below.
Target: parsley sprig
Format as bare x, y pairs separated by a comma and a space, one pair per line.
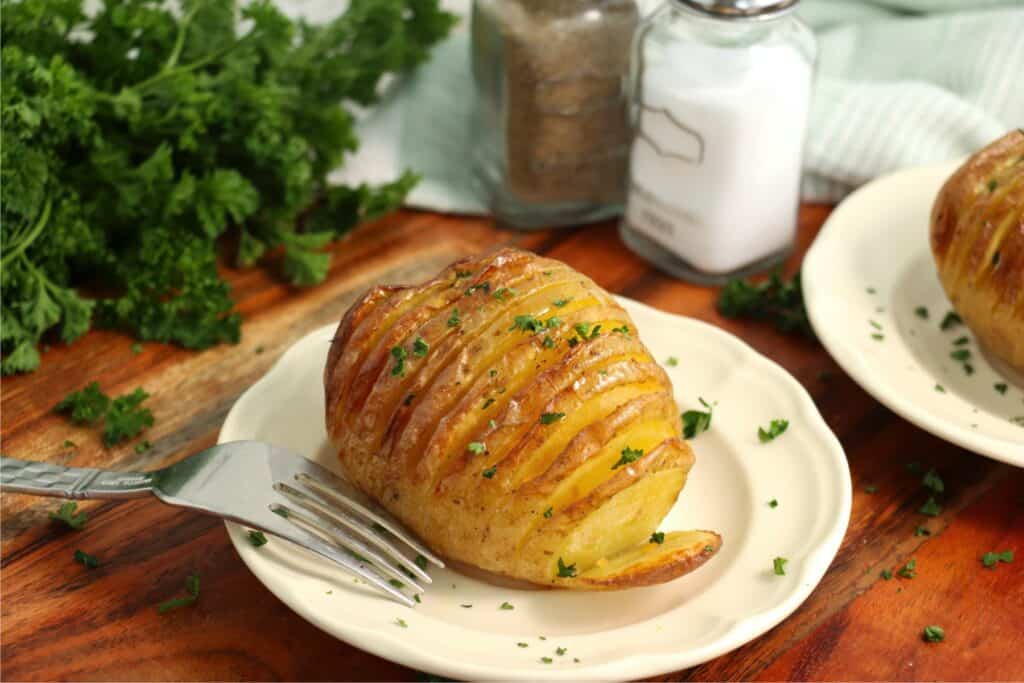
191, 587
775, 300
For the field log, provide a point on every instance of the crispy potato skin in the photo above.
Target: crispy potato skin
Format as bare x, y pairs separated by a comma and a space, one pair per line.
434, 402
977, 237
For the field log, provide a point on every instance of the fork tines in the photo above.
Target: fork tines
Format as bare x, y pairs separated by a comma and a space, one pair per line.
370, 538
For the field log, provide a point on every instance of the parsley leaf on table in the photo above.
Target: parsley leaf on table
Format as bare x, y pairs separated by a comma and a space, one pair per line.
775, 300
126, 418
191, 586
69, 514
85, 406
136, 135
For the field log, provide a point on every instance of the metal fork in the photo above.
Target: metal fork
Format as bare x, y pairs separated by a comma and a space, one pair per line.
263, 487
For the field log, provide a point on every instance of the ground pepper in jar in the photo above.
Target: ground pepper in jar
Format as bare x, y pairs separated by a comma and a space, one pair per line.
550, 79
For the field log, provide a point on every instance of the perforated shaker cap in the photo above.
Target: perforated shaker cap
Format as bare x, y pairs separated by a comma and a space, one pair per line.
739, 9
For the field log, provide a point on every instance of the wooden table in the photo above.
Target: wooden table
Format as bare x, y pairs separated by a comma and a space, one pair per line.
60, 621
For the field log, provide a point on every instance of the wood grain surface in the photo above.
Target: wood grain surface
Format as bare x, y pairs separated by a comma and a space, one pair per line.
59, 621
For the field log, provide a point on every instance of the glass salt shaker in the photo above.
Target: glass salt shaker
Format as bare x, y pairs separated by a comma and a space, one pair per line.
552, 124
719, 98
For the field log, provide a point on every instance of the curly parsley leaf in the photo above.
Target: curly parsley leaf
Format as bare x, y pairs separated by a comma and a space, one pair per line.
85, 406
775, 300
126, 417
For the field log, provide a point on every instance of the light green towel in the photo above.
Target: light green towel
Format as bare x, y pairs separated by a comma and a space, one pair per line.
899, 83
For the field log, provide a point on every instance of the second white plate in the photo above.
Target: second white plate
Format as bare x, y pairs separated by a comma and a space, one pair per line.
461, 631
873, 295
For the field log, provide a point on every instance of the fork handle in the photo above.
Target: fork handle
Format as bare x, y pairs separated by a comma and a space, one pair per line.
44, 479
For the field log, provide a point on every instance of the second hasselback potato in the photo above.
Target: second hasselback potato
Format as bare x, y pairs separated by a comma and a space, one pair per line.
507, 412
977, 234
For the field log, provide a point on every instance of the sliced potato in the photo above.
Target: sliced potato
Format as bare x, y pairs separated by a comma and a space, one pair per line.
507, 412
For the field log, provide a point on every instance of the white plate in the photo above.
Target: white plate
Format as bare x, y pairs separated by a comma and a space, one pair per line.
627, 634
872, 261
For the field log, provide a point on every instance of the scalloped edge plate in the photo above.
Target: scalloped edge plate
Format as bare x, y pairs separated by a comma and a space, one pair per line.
626, 634
872, 263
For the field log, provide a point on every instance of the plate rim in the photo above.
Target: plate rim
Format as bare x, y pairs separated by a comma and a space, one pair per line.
846, 356
740, 632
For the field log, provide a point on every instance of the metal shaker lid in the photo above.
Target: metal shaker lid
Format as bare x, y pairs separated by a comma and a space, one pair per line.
739, 9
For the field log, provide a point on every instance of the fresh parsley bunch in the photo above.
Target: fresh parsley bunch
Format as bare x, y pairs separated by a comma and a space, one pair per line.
135, 137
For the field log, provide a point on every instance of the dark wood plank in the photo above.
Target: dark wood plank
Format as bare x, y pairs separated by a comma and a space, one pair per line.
60, 621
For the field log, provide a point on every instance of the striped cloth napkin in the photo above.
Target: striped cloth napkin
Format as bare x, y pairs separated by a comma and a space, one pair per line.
899, 83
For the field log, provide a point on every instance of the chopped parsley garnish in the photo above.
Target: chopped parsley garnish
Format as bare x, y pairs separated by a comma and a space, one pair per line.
527, 323
775, 429
123, 417
416, 597
503, 292
774, 300
421, 562
1001, 387
465, 606
477, 448
561, 302
961, 341
551, 418
126, 418
399, 354
89, 561
909, 570
566, 571
587, 331
921, 312
870, 488
573, 341
779, 566
875, 324
484, 287
453, 319
657, 537
623, 330
560, 651
548, 342
401, 623
933, 482
420, 347
950, 321
992, 185
257, 538
773, 503
877, 336
68, 443
506, 605
708, 549
280, 512
960, 355
921, 531
137, 349
549, 512
546, 660
85, 406
886, 574
870, 290
991, 559
629, 455
554, 322
933, 634
931, 507
672, 361
492, 424
487, 403
939, 388
490, 472
67, 513
396, 583
191, 587
696, 421
492, 373
523, 644
461, 274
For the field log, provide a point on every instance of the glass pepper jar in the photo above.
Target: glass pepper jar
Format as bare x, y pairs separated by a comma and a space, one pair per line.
552, 124
719, 99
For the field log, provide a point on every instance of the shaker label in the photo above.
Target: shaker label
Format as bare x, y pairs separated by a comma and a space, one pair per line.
654, 218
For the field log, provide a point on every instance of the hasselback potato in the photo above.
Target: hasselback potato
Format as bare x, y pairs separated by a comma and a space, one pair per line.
977, 235
507, 412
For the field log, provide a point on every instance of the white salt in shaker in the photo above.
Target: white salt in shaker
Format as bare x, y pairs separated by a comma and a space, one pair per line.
719, 95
